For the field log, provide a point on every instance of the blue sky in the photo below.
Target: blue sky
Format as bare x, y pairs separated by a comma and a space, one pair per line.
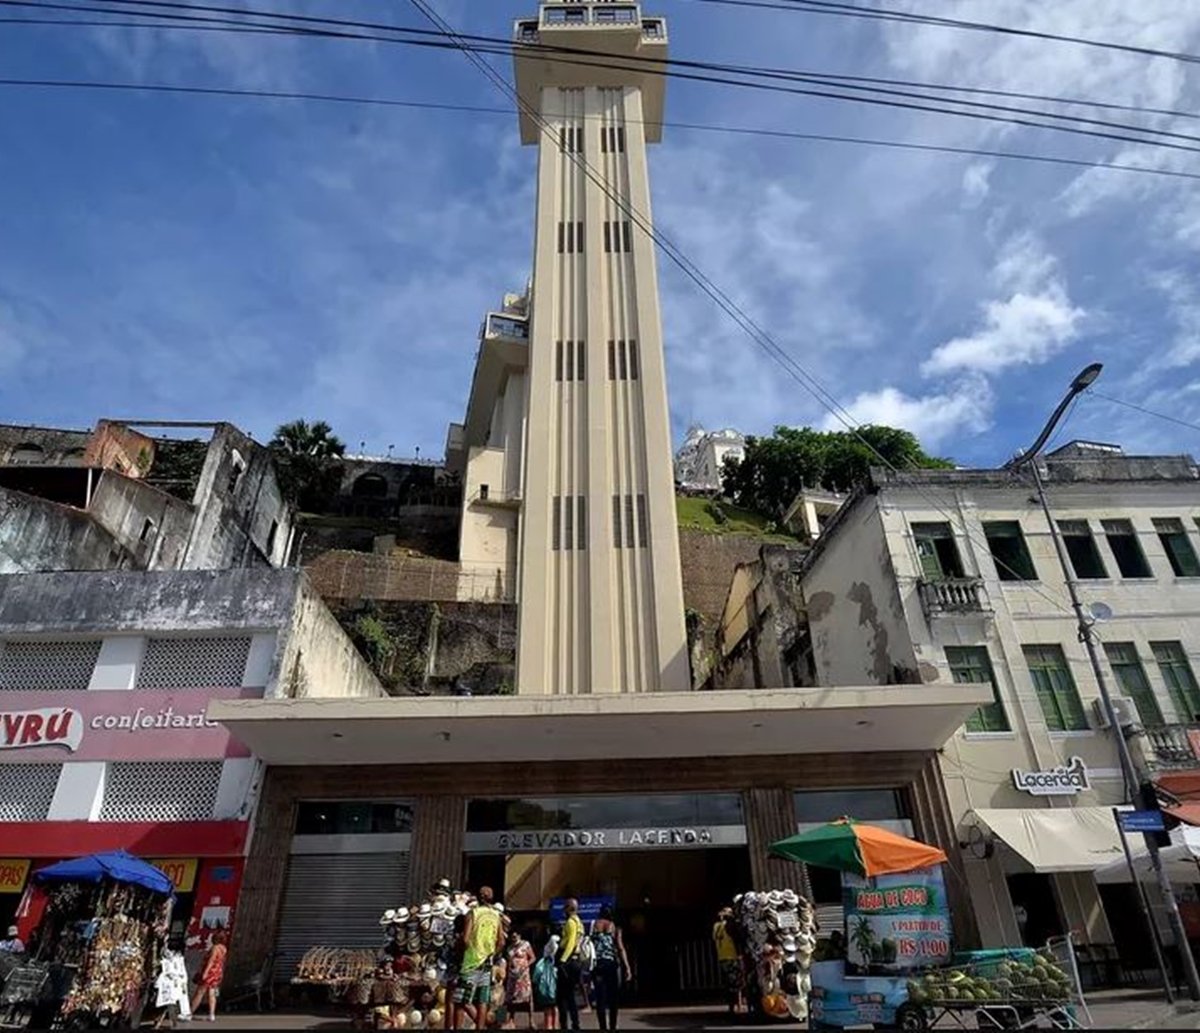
255, 261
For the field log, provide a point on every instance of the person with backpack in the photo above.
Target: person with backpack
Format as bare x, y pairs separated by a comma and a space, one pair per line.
545, 984
570, 966
611, 963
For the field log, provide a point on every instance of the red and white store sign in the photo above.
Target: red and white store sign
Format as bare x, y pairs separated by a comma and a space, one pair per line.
140, 724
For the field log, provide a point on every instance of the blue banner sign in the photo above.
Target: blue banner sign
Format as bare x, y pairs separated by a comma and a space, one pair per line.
589, 908
1142, 821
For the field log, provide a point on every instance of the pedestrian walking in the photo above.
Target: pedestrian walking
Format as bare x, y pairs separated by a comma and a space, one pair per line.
611, 967
212, 972
729, 960
483, 942
519, 989
545, 984
569, 967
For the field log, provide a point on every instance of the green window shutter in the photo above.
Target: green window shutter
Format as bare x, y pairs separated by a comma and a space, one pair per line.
970, 665
1055, 689
1177, 675
1131, 676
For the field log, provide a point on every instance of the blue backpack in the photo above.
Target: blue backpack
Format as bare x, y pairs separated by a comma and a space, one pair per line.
545, 979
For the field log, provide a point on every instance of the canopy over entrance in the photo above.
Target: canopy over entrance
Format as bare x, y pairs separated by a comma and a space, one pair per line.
610, 726
1066, 839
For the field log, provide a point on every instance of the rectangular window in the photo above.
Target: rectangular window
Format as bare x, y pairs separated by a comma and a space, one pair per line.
630, 529
570, 140
1081, 547
623, 363
617, 236
616, 15
608, 237
937, 551
579, 237
1056, 691
643, 516
618, 538
570, 238
193, 662
971, 665
568, 538
56, 664
1180, 553
570, 350
626, 237
612, 139
562, 240
556, 524
1122, 539
160, 790
581, 523
612, 360
1131, 677
1180, 681
1011, 554
564, 16
633, 360
558, 360
652, 28
581, 351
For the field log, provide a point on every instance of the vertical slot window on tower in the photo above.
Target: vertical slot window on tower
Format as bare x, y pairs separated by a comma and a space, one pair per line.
618, 237
612, 360
570, 350
612, 140
580, 360
581, 522
570, 140
630, 529
622, 360
570, 238
618, 538
643, 516
633, 360
558, 360
626, 237
568, 535
556, 524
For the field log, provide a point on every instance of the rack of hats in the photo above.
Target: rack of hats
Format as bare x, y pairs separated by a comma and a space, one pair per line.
777, 932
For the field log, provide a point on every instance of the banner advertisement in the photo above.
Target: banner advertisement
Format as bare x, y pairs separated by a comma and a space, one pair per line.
896, 923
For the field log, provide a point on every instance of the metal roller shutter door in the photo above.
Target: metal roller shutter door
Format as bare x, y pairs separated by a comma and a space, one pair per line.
335, 900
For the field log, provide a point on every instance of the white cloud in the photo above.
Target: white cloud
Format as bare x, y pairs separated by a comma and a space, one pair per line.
1032, 323
1183, 306
975, 182
933, 418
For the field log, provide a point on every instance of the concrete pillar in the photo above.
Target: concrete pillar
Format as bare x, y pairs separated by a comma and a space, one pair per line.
771, 816
439, 823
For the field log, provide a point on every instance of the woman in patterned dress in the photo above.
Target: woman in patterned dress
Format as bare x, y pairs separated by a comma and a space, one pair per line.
519, 983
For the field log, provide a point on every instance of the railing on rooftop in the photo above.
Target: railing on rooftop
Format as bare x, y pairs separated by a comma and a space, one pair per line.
1171, 747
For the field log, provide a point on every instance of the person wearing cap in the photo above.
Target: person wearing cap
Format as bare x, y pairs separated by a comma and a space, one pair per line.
13, 944
483, 940
729, 959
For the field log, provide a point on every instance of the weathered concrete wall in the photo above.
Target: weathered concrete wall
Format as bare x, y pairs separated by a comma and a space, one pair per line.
358, 575
123, 506
145, 602
708, 562
316, 657
57, 447
430, 530
856, 617
117, 447
241, 516
36, 535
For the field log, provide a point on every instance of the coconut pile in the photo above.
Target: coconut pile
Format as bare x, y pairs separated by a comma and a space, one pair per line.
779, 933
1038, 979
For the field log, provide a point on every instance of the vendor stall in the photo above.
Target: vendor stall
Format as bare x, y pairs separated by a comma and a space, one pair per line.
96, 953
900, 969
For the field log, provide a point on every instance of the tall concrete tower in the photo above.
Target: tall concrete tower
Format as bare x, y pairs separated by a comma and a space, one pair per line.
600, 594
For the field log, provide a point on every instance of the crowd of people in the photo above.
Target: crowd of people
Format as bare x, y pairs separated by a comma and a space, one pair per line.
490, 976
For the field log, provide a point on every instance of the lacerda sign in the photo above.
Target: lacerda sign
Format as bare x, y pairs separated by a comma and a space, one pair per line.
1066, 780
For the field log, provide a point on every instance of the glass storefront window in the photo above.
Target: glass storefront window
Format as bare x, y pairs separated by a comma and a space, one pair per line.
863, 804
351, 817
604, 812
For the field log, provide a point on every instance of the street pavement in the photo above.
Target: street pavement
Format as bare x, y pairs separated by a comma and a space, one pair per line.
1109, 1010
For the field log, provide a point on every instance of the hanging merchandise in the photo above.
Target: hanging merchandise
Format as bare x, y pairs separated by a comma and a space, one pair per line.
776, 931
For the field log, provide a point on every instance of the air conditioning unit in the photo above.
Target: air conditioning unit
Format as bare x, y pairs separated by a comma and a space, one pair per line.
1126, 710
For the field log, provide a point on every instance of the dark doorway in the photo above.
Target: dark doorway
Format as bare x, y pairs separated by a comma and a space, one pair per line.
1036, 906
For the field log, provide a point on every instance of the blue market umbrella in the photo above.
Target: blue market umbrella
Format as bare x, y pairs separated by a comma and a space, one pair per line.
116, 865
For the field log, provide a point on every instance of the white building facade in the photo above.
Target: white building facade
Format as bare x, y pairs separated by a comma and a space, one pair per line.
951, 576
700, 461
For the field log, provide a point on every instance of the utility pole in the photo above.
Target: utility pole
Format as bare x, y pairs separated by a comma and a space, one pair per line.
1136, 788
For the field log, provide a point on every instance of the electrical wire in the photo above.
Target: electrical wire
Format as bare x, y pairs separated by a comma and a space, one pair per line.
760, 337
885, 14
508, 112
1143, 409
985, 111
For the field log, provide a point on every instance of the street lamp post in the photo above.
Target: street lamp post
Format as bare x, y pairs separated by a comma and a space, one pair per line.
1134, 786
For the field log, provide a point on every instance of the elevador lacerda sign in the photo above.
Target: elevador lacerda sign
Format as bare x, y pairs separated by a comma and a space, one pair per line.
1064, 780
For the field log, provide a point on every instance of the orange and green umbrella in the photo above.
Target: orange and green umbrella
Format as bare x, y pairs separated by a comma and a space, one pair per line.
851, 846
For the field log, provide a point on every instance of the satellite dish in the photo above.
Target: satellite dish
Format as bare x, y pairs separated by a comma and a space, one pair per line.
1100, 612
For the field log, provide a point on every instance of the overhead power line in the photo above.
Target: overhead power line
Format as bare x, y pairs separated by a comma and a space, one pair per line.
886, 97
847, 10
1142, 409
782, 134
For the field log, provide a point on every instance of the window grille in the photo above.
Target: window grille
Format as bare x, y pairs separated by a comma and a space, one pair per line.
185, 663
27, 790
58, 665
160, 791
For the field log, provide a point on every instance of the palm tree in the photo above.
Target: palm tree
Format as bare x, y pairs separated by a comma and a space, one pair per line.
301, 438
863, 939
304, 455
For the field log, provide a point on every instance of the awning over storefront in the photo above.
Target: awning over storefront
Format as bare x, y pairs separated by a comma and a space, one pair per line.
1181, 861
1065, 839
759, 722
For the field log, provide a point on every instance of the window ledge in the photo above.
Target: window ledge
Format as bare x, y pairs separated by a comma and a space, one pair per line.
1081, 733
1148, 579
986, 736
1095, 580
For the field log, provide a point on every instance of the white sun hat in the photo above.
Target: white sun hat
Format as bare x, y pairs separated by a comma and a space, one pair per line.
388, 917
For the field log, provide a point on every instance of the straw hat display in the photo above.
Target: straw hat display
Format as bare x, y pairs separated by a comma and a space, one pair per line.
780, 933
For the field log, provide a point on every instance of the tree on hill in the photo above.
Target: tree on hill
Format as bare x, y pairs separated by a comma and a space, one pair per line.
305, 455
775, 469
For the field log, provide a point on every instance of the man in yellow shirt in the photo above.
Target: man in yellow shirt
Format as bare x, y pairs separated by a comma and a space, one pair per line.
483, 940
728, 959
569, 970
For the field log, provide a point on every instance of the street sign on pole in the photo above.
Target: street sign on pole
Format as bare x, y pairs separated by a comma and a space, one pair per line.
1142, 821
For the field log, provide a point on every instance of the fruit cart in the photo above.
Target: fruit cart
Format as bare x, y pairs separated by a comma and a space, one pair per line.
1019, 988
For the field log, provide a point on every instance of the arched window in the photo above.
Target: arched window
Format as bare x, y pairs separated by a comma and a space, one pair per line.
27, 454
370, 486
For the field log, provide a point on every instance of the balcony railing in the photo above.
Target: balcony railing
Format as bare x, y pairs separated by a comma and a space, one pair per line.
506, 326
1171, 747
953, 595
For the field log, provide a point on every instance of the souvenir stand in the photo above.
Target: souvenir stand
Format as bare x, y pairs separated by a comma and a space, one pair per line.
96, 952
900, 970
776, 933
